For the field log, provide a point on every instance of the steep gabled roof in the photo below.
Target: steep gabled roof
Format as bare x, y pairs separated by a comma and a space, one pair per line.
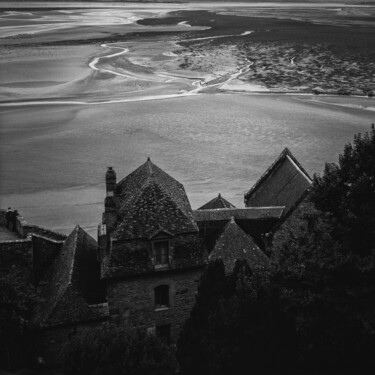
234, 244
73, 283
217, 202
283, 184
149, 200
249, 213
134, 181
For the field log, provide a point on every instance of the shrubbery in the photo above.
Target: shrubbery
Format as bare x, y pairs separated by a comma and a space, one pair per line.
314, 311
129, 351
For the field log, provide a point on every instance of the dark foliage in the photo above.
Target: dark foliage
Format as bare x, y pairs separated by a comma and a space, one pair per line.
330, 292
241, 328
17, 299
192, 350
313, 311
347, 193
130, 352
326, 269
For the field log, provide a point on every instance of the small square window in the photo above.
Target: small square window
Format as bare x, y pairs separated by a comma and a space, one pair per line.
161, 249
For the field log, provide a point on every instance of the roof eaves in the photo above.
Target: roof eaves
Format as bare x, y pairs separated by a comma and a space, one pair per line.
161, 230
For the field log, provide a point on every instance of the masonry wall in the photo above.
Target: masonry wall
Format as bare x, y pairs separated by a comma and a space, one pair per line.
132, 300
135, 257
16, 252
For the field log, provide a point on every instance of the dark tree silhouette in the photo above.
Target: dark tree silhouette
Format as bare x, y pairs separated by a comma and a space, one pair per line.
240, 328
127, 351
192, 347
347, 192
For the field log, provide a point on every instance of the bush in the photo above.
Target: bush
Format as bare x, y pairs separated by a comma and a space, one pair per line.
129, 351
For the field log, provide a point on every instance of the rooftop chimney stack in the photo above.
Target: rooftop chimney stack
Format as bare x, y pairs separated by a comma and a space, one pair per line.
110, 182
110, 211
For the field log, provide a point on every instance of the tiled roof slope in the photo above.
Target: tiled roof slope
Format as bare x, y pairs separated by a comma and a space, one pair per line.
151, 200
73, 283
218, 202
283, 184
250, 213
234, 244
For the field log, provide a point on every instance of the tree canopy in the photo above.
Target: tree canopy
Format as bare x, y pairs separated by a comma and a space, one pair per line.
347, 192
115, 352
313, 311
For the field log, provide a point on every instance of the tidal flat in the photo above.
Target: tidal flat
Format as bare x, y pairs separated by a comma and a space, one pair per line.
212, 93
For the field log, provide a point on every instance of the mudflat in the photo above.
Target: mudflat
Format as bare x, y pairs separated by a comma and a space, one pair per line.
212, 93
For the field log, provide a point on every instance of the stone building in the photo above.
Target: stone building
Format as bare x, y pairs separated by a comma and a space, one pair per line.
151, 251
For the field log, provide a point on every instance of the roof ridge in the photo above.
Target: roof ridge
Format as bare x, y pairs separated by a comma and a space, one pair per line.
285, 153
221, 200
71, 266
242, 208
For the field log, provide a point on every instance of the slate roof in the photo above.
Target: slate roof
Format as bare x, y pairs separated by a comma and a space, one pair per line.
283, 184
234, 244
249, 213
218, 202
73, 284
149, 200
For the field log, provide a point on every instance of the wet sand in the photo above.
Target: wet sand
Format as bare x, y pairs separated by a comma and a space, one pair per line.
53, 158
80, 98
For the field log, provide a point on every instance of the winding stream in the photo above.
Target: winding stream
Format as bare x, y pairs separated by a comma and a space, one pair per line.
198, 85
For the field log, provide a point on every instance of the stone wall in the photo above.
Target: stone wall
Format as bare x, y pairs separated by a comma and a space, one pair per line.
28, 229
135, 257
24, 229
16, 252
132, 300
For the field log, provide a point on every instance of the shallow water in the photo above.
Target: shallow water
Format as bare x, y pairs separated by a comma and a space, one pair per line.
53, 158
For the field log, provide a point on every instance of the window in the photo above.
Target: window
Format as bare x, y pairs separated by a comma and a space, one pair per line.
164, 332
161, 249
161, 296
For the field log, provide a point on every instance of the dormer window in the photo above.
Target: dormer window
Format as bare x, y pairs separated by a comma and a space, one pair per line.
161, 252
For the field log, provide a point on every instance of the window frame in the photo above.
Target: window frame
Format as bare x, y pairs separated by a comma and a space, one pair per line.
166, 257
164, 296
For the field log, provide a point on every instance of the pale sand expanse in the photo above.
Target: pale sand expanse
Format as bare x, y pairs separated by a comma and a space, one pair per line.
46, 71
53, 158
147, 68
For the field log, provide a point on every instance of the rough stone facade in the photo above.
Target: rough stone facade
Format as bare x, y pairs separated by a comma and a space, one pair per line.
136, 257
132, 300
146, 210
16, 252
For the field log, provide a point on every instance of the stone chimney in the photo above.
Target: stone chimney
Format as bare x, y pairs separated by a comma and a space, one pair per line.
110, 182
102, 241
110, 209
